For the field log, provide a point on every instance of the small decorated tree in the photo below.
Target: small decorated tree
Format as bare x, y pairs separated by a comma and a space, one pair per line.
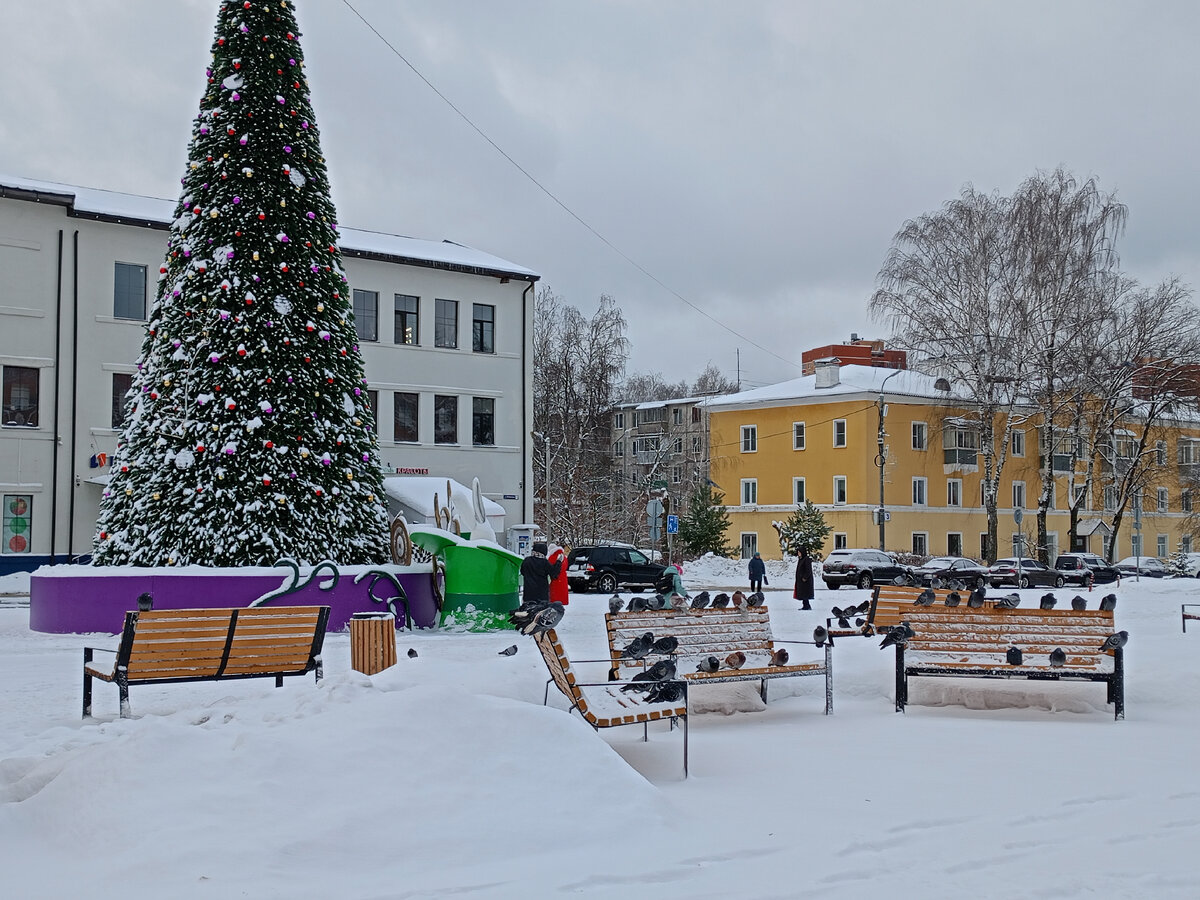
249, 433
703, 528
806, 528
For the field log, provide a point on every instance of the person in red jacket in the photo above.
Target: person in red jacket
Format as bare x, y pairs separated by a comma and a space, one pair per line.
558, 584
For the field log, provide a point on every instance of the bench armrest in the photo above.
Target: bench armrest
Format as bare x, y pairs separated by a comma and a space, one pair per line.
99, 650
810, 643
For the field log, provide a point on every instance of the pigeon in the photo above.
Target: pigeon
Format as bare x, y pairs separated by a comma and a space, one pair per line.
1115, 641
956, 584
1049, 601
820, 635
701, 600
615, 603
862, 607
508, 651
145, 602
843, 623
661, 670
1058, 657
545, 619
665, 692
638, 604
926, 598
1108, 602
678, 602
897, 636
735, 660
638, 647
953, 598
523, 614
658, 601
860, 622
975, 600
841, 613
412, 654
708, 664
1078, 603
1009, 601
1014, 656
779, 657
739, 600
755, 599
720, 601
665, 645
935, 582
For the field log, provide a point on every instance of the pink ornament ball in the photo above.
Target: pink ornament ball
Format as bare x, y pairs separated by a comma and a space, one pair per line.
287, 148
236, 96
243, 142
237, 200
311, 214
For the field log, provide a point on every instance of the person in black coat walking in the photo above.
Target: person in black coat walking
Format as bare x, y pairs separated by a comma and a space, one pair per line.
536, 574
758, 572
804, 579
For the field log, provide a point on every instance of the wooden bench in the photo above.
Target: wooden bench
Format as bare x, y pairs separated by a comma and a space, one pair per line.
961, 642
175, 645
1183, 611
714, 632
891, 604
604, 704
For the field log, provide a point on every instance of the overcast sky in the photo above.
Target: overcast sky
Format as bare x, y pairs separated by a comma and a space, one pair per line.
755, 157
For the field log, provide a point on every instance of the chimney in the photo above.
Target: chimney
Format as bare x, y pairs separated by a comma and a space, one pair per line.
854, 337
828, 373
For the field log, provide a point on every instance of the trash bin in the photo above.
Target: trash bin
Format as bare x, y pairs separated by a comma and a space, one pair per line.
372, 642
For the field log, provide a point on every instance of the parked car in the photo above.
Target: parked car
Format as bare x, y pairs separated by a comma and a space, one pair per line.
1077, 568
609, 567
1029, 573
861, 568
950, 568
1150, 566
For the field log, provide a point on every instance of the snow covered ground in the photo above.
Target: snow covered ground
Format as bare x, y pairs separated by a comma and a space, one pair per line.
445, 775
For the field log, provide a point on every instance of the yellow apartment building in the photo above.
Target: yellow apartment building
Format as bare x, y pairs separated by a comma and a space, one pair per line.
816, 438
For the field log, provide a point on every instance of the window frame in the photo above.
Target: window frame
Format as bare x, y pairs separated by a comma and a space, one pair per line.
952, 501
360, 320
1018, 437
920, 490
923, 536
844, 482
749, 442
416, 418
119, 266
445, 328
118, 399
749, 492
400, 320
483, 331
844, 432
841, 540
798, 436
446, 432
478, 417
799, 490
1024, 497
8, 388
921, 428
1162, 500
950, 551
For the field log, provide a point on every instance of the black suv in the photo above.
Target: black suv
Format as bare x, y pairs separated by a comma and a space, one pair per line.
609, 567
1077, 567
861, 568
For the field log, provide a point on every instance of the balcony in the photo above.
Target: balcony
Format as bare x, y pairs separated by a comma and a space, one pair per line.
961, 456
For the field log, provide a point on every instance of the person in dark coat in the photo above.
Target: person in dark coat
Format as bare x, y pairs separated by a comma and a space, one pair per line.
758, 571
536, 574
804, 579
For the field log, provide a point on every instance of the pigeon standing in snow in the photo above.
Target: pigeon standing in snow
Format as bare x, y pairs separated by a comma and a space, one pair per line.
638, 647
953, 598
756, 599
412, 654
1108, 602
735, 660
708, 664
1078, 603
720, 601
1058, 657
925, 598
975, 600
1009, 601
1049, 601
545, 619
1115, 641
701, 600
820, 635
615, 603
1014, 656
665, 645
779, 657
509, 651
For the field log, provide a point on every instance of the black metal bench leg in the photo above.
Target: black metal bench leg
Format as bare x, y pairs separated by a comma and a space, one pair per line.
278, 681
901, 683
685, 746
1118, 684
829, 678
645, 732
762, 689
87, 683
123, 692
319, 668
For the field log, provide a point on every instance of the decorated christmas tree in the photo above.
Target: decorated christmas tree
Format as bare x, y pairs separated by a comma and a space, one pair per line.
249, 434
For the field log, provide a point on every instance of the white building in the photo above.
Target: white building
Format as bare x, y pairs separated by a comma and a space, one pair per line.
446, 334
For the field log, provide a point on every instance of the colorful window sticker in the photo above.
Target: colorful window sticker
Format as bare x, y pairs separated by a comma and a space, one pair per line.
17, 519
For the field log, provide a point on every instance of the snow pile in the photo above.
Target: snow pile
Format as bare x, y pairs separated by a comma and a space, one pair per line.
719, 571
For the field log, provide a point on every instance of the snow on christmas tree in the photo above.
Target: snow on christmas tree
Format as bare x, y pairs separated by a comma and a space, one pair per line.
249, 432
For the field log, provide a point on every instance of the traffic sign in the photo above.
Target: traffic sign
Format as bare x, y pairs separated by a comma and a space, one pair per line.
672, 524
654, 508
1018, 515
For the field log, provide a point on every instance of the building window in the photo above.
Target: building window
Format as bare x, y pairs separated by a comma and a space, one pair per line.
405, 418
619, 449
797, 435
954, 496
749, 491
677, 416
619, 421
1110, 498
920, 436
1018, 443
954, 544
840, 541
1160, 452
1162, 545
749, 544
121, 383
408, 319
18, 523
373, 399
839, 432
1185, 501
1018, 495
445, 419
918, 491
749, 438
1162, 501
483, 421
960, 445
1080, 495
695, 414
366, 315
129, 292
20, 396
920, 543
677, 475
1188, 451
839, 489
1185, 543
483, 328
677, 446
445, 323
799, 494
696, 444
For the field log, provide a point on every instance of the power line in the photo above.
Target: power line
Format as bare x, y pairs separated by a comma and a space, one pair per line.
545, 190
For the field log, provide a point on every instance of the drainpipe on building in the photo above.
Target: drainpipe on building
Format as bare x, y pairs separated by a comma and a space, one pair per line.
526, 502
57, 400
74, 385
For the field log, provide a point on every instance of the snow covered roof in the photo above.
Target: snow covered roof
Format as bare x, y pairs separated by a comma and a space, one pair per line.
154, 212
853, 381
416, 492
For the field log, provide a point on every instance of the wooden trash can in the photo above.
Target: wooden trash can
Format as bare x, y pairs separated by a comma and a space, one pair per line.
372, 642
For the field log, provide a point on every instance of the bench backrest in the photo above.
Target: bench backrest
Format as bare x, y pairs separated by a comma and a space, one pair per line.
210, 643
700, 632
